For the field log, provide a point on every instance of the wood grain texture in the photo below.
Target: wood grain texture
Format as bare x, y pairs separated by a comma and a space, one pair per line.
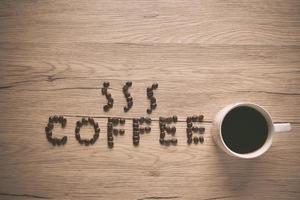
54, 57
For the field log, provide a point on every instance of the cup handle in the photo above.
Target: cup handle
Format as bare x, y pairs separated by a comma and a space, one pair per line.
282, 127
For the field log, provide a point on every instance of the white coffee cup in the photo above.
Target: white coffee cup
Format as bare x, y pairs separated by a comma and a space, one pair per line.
272, 128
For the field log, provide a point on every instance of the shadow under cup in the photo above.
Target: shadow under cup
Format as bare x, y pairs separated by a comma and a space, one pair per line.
244, 130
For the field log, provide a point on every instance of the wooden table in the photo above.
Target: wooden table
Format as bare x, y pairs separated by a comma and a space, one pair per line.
55, 55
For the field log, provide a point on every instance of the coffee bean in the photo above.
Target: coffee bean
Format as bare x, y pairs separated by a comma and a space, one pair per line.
189, 140
109, 134
49, 137
115, 132
153, 106
81, 141
189, 135
196, 140
142, 130
127, 96
162, 135
195, 129
152, 100
147, 129
169, 120
49, 133
86, 142
201, 129
129, 99
110, 144
97, 130
174, 141
64, 140
77, 129
115, 121
167, 142
50, 120
136, 142
122, 121
60, 118
125, 88
104, 91
110, 138
135, 133
167, 129
121, 131
194, 118
84, 121
201, 139
142, 120
77, 136
96, 136
149, 90
109, 126
188, 119
200, 118
154, 86
149, 111
175, 118
173, 129
78, 124
135, 126
110, 102
53, 141
162, 119
189, 125
108, 96
91, 120
129, 83
47, 129
64, 123
50, 126
106, 84
150, 94
162, 127
189, 130
55, 119
58, 141
148, 120
92, 141
135, 121
161, 141
129, 104
126, 109
136, 137
106, 108
96, 125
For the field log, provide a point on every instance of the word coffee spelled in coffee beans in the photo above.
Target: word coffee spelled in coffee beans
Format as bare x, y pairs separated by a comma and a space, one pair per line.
140, 126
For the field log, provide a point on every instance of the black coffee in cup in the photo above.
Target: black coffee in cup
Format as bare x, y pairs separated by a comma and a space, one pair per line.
244, 130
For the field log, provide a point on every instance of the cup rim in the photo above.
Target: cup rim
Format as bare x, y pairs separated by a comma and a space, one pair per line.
267, 143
